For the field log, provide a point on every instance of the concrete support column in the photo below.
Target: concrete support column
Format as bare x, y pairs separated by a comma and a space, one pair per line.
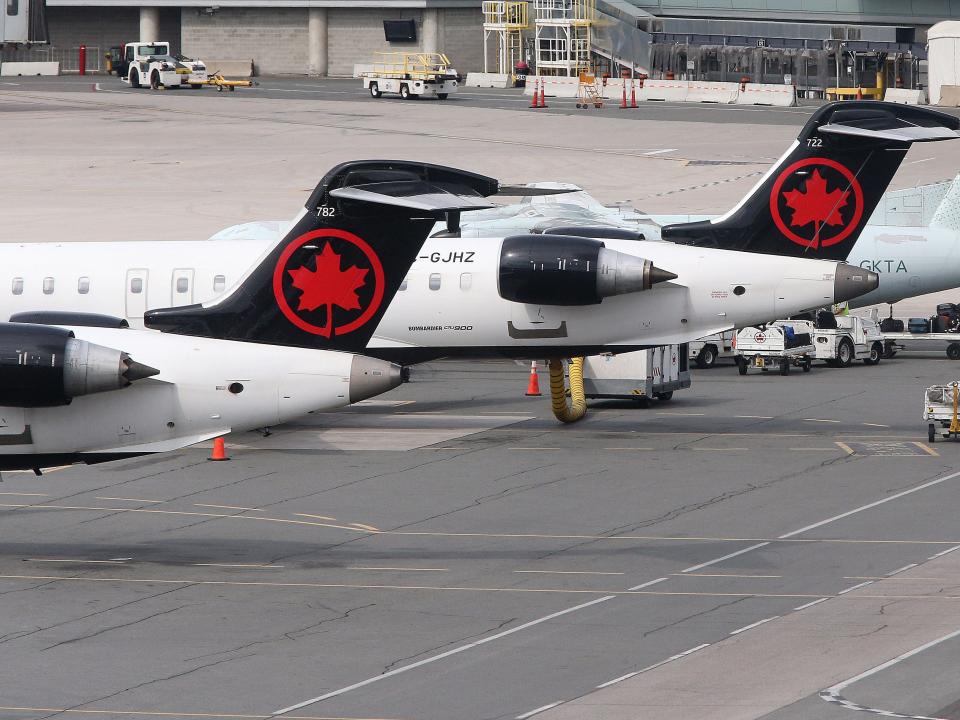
431, 30
150, 24
317, 57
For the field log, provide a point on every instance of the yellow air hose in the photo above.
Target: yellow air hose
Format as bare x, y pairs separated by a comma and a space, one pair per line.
558, 394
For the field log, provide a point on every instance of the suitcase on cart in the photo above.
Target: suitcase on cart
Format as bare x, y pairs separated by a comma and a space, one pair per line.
918, 325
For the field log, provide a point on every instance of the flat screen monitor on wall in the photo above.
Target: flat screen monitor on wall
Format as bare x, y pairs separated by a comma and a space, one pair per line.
400, 30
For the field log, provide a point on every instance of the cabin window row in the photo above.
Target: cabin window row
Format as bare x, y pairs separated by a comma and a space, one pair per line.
48, 285
434, 281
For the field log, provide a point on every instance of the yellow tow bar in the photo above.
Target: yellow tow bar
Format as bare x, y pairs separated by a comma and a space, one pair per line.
558, 392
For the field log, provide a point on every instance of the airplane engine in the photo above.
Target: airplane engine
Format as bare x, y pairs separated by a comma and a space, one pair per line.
568, 270
45, 366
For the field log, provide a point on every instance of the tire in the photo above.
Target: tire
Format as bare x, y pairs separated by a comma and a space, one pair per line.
195, 87
784, 367
876, 352
845, 353
233, 88
134, 78
707, 357
664, 396
375, 91
806, 365
931, 432
741, 366
443, 96
953, 351
642, 402
405, 91
155, 83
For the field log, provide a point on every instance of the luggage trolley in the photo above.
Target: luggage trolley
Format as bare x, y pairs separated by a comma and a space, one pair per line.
587, 93
940, 404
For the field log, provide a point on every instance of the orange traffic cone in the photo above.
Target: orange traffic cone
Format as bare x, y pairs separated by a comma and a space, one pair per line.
633, 95
859, 93
535, 101
219, 450
623, 96
543, 97
533, 387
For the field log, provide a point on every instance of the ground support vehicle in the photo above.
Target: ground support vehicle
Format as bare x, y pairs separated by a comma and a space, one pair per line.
411, 75
641, 376
940, 404
853, 338
779, 346
220, 82
150, 63
706, 351
893, 342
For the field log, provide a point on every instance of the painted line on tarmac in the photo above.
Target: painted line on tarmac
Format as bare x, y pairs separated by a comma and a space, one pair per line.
160, 713
540, 709
567, 572
832, 693
724, 557
944, 552
751, 626
856, 587
811, 604
900, 570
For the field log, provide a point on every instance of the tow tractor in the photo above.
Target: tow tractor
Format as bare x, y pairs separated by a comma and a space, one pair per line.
781, 344
842, 339
940, 404
150, 63
411, 75
707, 350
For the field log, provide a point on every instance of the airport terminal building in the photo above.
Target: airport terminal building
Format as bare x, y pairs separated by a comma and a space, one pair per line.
877, 42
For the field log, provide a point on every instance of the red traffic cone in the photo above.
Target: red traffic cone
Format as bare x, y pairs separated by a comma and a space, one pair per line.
543, 97
535, 100
633, 95
533, 387
219, 450
623, 96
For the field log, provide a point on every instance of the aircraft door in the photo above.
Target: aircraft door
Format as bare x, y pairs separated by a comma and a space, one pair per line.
136, 292
181, 288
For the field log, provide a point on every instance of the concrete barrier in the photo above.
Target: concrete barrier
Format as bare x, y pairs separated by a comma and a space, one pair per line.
767, 94
712, 92
564, 87
488, 80
360, 68
231, 68
664, 90
949, 96
14, 69
905, 96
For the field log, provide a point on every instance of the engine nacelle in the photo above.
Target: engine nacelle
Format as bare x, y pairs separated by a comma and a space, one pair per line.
567, 270
43, 366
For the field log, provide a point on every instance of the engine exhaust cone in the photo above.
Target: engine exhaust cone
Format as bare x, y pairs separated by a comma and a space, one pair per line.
137, 371
657, 275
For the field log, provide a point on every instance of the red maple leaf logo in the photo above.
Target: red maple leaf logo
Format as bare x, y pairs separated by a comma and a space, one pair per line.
815, 205
328, 285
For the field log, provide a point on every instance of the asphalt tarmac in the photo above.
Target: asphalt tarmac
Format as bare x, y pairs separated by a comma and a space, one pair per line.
759, 547
450, 550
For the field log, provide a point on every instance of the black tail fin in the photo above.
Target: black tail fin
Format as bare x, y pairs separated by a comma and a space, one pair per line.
328, 282
816, 199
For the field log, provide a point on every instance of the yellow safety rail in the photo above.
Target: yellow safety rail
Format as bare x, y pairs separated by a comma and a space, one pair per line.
505, 14
408, 66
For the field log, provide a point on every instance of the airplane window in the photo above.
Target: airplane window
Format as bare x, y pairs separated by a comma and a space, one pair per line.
466, 281
48, 286
403, 286
434, 281
83, 285
183, 284
136, 286
17, 286
13, 7
219, 283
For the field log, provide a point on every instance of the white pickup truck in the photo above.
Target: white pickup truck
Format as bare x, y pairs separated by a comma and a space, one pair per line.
781, 344
151, 64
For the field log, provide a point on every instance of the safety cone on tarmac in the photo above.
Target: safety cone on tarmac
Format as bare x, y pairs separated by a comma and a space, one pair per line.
533, 387
543, 97
219, 450
859, 93
633, 95
535, 100
623, 96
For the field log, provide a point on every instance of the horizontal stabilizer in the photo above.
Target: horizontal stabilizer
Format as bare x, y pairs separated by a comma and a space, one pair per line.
415, 195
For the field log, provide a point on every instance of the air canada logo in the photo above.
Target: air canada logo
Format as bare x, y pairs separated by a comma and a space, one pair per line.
816, 202
328, 282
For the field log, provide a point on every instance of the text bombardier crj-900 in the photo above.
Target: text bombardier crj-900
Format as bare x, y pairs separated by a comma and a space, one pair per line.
80, 387
554, 295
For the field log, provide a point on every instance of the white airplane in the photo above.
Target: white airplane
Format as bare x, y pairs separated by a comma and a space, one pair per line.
81, 387
539, 295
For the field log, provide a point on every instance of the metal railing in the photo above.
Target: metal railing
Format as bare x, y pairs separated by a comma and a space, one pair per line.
69, 58
506, 14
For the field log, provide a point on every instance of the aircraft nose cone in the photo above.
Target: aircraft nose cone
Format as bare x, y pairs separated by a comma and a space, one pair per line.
370, 377
658, 275
851, 282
